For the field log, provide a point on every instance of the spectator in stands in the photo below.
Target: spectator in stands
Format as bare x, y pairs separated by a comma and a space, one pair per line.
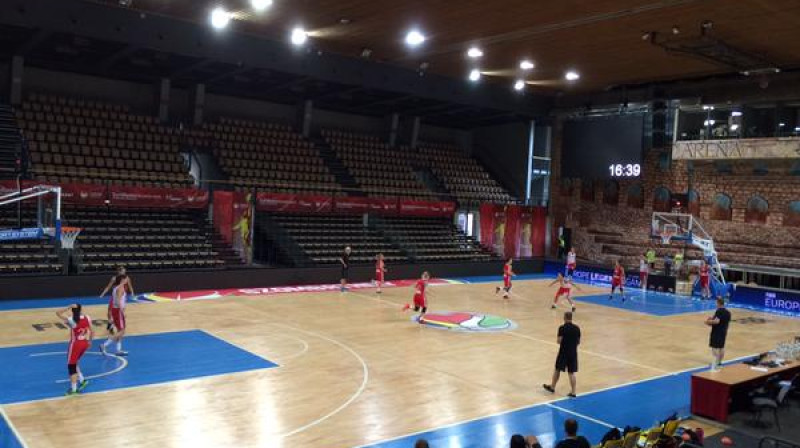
678, 262
519, 441
562, 246
569, 337
422, 443
345, 261
651, 257
573, 440
719, 332
667, 265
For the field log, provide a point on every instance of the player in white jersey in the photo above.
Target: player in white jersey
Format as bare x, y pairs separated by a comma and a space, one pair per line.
572, 262
120, 285
644, 272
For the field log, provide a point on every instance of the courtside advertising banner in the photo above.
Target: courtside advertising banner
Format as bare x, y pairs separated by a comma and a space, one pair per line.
157, 197
293, 203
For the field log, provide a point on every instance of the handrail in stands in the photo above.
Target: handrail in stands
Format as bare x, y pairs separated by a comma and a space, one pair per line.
775, 442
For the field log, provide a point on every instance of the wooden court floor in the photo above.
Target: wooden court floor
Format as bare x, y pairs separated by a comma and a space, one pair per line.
355, 370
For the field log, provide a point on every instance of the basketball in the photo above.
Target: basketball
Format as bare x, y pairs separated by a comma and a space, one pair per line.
727, 441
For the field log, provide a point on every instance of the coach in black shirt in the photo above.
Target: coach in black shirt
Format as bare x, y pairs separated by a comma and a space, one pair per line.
345, 261
569, 337
719, 332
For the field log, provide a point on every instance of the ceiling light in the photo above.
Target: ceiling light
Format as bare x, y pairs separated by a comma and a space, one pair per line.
707, 25
647, 35
708, 107
474, 75
474, 52
780, 125
676, 30
519, 85
709, 122
260, 5
366, 53
526, 65
734, 127
414, 38
220, 18
299, 36
797, 129
572, 76
736, 113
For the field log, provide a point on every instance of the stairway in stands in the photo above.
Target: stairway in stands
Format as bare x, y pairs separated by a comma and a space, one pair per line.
336, 167
432, 181
10, 144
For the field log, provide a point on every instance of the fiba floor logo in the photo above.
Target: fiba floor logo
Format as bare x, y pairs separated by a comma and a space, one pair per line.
467, 322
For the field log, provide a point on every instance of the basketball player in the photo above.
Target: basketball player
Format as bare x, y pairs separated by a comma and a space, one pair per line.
569, 337
508, 272
116, 314
571, 262
705, 289
644, 271
617, 281
120, 271
564, 289
719, 332
420, 297
345, 261
80, 339
380, 270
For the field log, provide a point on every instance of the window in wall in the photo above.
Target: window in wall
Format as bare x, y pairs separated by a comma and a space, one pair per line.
694, 202
661, 200
792, 217
635, 196
721, 207
757, 210
611, 192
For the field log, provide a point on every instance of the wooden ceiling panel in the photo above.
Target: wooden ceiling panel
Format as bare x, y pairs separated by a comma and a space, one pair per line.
599, 38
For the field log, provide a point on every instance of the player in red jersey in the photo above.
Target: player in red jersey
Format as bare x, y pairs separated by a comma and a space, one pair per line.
564, 289
120, 286
705, 290
572, 262
380, 270
617, 281
508, 272
80, 339
420, 297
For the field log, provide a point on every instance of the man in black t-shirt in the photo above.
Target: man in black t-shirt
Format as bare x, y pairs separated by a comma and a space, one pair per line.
345, 261
573, 440
719, 332
569, 337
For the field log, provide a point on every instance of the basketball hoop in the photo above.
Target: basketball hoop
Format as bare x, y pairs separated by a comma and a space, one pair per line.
667, 232
68, 236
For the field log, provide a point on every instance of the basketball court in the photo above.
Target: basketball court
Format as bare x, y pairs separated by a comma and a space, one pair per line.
303, 366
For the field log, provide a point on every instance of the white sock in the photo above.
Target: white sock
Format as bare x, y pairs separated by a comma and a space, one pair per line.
119, 346
74, 387
108, 342
80, 377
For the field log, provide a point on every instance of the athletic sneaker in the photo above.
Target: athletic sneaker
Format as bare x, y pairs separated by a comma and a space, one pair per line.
552, 307
378, 292
571, 395
573, 309
122, 353
82, 385
71, 392
497, 290
548, 388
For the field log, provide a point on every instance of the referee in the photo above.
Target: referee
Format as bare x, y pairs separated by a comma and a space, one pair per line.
569, 337
719, 332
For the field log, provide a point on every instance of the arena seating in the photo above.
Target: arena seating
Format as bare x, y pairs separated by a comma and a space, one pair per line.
380, 170
75, 140
145, 239
463, 176
323, 238
433, 239
28, 256
269, 156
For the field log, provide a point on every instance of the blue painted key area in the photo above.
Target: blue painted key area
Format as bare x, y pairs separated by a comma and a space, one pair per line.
40, 371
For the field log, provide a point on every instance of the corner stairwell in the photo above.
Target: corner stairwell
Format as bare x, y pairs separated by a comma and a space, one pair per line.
11, 144
432, 181
336, 166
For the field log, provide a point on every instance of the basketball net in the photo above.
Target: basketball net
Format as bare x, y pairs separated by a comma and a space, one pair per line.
667, 232
68, 237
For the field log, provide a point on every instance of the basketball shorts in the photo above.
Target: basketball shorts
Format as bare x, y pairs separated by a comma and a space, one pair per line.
76, 351
118, 318
567, 362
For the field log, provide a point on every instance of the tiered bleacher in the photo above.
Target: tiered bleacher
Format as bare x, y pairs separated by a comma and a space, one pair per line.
463, 176
145, 239
323, 238
76, 140
380, 170
434, 239
269, 156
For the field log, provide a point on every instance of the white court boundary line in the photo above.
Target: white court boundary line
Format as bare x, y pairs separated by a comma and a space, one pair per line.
13, 428
354, 397
589, 352
544, 403
583, 416
123, 363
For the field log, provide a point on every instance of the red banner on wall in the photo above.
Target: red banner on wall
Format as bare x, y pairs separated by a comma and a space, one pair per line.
538, 231
354, 205
223, 214
512, 230
84, 194
285, 202
425, 208
157, 197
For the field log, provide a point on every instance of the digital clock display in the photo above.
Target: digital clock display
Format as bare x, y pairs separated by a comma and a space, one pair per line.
625, 170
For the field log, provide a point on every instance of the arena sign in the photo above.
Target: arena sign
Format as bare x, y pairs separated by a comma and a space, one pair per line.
753, 148
783, 302
602, 275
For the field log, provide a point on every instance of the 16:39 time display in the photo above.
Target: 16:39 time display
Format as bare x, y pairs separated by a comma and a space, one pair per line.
625, 170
